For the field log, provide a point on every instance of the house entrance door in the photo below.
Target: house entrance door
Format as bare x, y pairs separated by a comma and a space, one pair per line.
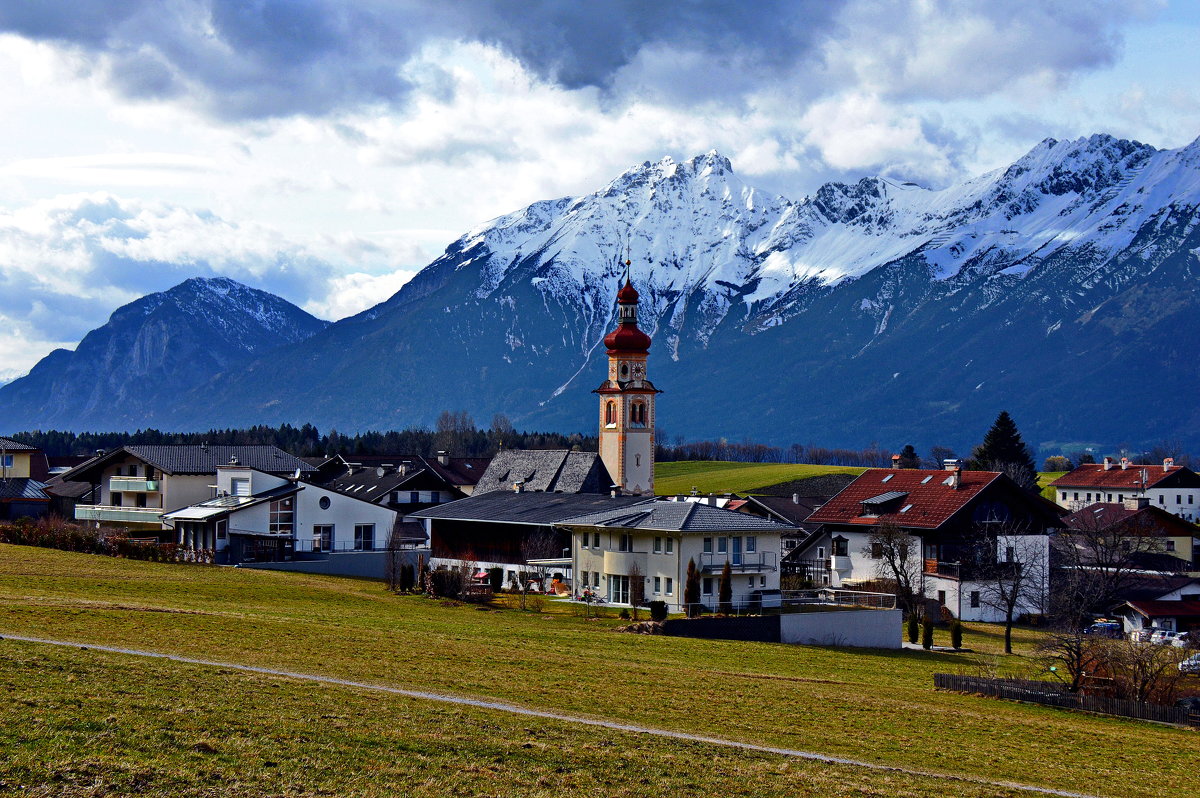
737, 551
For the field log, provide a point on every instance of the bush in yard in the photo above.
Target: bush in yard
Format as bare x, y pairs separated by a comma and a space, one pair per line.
956, 634
658, 611
914, 632
496, 579
446, 582
623, 615
927, 634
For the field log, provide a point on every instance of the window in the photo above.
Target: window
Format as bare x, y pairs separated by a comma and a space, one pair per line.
610, 414
876, 550
670, 545
586, 538
1190, 499
1121, 497
116, 500
722, 545
762, 580
1064, 495
414, 496
133, 470
1110, 497
751, 544
323, 502
239, 486
6, 461
282, 516
596, 544
708, 545
840, 547
1170, 544
596, 579
1009, 553
1089, 497
1178, 499
222, 529
975, 599
323, 537
364, 537
637, 414
942, 598
625, 543
751, 581
1162, 499
618, 589
820, 552
658, 547
657, 585
670, 586
706, 585
140, 500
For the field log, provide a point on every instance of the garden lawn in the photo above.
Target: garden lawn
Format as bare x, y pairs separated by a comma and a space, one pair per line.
877, 706
723, 477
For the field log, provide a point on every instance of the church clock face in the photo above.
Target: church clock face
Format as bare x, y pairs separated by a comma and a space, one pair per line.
639, 371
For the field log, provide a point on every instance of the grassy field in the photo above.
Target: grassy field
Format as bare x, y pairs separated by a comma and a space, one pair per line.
86, 722
1044, 480
724, 477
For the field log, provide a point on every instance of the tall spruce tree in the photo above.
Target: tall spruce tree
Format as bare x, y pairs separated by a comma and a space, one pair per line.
725, 591
1003, 450
691, 591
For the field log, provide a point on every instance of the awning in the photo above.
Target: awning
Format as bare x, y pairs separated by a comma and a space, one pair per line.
482, 575
195, 513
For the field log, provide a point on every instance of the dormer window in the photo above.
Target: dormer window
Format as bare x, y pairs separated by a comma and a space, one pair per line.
882, 504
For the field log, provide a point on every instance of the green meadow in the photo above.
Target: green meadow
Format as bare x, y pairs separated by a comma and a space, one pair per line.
84, 722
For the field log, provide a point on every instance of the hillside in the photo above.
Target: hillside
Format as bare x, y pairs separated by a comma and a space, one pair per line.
722, 477
82, 717
129, 372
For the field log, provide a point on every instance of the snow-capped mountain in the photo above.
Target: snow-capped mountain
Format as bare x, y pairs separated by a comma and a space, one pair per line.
126, 372
1061, 288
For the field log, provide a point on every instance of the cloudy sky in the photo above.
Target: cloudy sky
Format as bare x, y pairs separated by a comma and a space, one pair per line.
326, 150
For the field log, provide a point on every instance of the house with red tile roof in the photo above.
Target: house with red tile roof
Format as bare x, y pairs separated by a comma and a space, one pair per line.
1156, 539
1169, 487
948, 513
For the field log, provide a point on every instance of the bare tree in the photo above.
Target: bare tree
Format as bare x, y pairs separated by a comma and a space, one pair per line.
897, 561
1143, 671
540, 545
1010, 567
1077, 654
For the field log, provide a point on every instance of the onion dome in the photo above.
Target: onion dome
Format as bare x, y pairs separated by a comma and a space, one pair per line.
627, 295
627, 338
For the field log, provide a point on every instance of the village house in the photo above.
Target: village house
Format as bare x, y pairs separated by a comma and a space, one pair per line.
652, 543
1169, 487
962, 524
24, 470
405, 483
1155, 539
133, 486
263, 517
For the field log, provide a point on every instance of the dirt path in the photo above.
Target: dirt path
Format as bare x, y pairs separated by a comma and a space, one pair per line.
548, 715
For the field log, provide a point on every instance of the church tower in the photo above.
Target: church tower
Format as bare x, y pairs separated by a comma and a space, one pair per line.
627, 401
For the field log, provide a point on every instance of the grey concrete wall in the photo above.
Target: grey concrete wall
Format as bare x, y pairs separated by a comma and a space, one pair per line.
362, 564
854, 628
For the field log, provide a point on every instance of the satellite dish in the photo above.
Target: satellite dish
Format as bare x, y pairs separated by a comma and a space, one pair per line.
380, 471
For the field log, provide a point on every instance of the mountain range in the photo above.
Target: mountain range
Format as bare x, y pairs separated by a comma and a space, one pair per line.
1061, 288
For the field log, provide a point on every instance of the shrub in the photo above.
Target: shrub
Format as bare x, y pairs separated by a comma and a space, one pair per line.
496, 579
927, 634
956, 634
446, 582
623, 615
914, 623
658, 611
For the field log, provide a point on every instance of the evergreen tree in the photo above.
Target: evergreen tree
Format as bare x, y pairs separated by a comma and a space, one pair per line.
1003, 450
725, 591
909, 457
691, 591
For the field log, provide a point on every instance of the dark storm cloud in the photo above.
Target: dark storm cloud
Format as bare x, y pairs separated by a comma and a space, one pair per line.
283, 57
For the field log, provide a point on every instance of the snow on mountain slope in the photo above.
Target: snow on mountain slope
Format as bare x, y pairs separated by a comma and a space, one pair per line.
707, 247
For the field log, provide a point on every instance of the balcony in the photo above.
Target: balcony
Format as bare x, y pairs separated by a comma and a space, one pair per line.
839, 562
754, 561
622, 562
973, 571
133, 485
119, 515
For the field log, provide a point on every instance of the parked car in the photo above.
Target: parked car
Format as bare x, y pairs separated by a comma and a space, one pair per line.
1184, 639
1163, 637
1104, 629
1190, 665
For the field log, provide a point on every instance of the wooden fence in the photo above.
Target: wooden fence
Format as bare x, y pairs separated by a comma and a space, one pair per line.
1057, 695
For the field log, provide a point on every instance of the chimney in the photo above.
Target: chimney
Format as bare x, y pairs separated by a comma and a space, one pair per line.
1107, 463
403, 469
1124, 463
1137, 503
443, 458
895, 461
952, 464
955, 478
795, 498
1167, 463
519, 487
615, 490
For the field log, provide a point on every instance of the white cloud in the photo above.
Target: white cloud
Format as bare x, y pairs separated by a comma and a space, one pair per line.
354, 293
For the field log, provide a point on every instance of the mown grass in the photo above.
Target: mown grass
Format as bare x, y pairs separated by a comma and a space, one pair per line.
1044, 480
724, 477
872, 705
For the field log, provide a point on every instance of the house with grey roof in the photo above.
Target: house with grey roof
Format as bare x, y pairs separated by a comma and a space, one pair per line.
545, 470
133, 486
641, 552
23, 474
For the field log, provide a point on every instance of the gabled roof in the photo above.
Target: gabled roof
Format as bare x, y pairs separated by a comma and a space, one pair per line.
181, 459
1144, 520
542, 509
22, 489
546, 470
930, 502
16, 446
1167, 609
669, 516
1116, 478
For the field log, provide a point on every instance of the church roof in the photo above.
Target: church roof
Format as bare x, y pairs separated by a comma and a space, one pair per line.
545, 470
